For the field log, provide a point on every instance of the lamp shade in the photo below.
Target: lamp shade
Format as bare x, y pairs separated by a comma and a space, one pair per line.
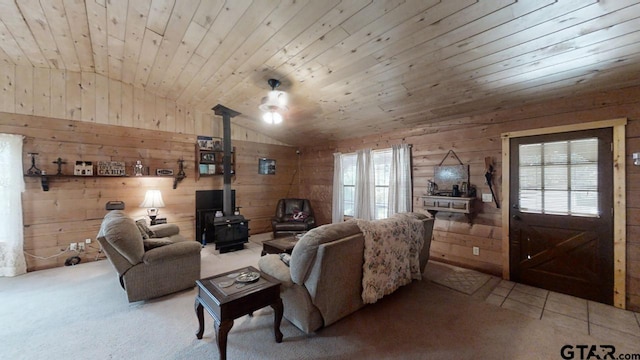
152, 199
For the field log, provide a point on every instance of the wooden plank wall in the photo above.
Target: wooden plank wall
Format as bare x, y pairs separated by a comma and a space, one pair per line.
71, 211
472, 139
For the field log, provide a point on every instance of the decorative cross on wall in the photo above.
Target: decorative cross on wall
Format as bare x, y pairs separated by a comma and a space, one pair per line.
59, 162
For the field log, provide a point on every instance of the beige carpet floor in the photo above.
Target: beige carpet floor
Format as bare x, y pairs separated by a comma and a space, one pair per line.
81, 312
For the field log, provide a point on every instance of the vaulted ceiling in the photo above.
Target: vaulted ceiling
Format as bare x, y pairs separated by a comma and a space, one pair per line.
351, 68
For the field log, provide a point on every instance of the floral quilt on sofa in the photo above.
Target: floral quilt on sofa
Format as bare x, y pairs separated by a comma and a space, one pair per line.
391, 254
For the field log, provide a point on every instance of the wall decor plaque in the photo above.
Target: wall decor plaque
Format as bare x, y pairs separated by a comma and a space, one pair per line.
111, 168
164, 172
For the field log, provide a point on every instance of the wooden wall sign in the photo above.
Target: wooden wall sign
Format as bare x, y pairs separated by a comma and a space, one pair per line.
111, 168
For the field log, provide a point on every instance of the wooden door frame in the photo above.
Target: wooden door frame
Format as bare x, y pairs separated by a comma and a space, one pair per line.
619, 196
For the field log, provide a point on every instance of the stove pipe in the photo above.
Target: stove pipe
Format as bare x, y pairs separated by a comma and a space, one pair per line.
226, 114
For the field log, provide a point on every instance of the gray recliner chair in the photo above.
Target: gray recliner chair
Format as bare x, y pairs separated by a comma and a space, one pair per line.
159, 265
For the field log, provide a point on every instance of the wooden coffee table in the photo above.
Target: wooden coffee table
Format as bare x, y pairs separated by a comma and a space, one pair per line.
225, 304
279, 245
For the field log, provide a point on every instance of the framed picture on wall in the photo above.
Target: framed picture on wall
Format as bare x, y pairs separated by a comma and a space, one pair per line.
206, 157
217, 144
267, 166
205, 142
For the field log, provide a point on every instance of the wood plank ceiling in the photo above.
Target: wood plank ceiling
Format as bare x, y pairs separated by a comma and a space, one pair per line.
351, 68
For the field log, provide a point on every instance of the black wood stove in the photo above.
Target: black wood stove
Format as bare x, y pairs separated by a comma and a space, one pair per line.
230, 232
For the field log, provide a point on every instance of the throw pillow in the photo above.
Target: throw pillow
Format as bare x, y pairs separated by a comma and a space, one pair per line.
299, 215
144, 229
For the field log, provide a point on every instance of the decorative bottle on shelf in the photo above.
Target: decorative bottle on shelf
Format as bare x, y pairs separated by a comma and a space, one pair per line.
137, 168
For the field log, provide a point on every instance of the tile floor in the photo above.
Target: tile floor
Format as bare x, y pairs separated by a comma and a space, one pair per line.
581, 315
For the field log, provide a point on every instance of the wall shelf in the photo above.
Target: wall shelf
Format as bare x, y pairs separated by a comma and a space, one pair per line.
464, 205
44, 179
210, 162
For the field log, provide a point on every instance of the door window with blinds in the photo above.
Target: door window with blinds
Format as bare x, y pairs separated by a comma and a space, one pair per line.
559, 178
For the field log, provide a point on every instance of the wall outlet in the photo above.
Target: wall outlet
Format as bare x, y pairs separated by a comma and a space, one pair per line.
81, 246
73, 246
487, 197
87, 240
476, 251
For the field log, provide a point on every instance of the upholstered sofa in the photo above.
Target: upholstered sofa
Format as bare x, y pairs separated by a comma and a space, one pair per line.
158, 263
323, 282
292, 216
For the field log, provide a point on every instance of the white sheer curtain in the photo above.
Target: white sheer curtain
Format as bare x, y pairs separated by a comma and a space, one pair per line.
365, 186
12, 260
400, 197
337, 211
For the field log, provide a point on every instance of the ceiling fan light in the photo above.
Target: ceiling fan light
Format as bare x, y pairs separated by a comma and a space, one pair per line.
276, 100
273, 96
274, 104
282, 100
272, 117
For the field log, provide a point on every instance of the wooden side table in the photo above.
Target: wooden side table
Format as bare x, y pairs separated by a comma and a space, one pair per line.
279, 245
225, 304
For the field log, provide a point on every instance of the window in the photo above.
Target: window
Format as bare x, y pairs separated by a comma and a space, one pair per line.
382, 173
349, 183
372, 184
559, 178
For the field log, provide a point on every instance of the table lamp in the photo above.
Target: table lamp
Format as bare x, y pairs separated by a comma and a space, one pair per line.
152, 201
